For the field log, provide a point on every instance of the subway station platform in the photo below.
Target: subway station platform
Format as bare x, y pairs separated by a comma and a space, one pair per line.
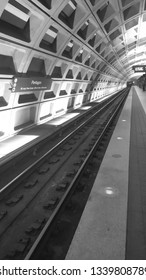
113, 224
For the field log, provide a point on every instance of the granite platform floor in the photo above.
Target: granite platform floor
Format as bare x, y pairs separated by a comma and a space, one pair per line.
113, 224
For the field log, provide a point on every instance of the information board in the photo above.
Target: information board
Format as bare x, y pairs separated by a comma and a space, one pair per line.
139, 68
20, 84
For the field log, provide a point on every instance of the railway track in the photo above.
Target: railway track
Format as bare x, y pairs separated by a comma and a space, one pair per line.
23, 158
31, 203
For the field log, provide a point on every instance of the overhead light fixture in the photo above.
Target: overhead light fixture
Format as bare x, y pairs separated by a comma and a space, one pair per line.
87, 22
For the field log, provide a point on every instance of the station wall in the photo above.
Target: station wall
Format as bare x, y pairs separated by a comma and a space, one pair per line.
61, 40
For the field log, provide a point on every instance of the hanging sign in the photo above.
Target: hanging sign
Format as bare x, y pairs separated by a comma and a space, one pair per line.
139, 68
20, 84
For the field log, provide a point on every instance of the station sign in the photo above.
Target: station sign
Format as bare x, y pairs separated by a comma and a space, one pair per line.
139, 68
21, 84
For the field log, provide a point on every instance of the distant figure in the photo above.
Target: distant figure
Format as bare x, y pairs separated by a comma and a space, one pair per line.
35, 152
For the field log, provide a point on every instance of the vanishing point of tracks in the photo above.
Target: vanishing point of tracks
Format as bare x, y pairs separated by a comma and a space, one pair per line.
41, 207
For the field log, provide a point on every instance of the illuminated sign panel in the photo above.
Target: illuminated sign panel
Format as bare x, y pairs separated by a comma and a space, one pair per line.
20, 84
139, 68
